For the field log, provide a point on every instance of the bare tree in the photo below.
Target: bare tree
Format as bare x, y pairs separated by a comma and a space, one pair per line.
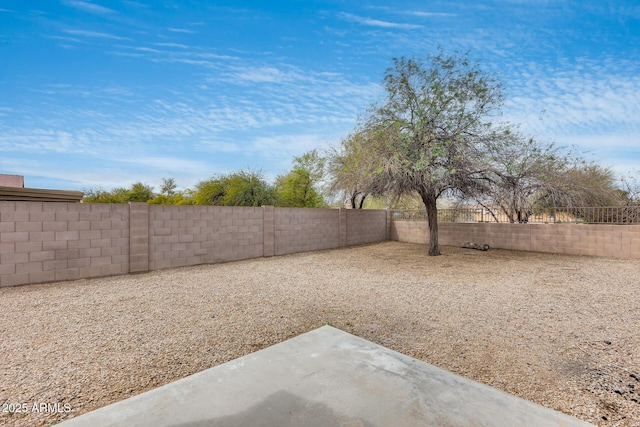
630, 189
629, 193
583, 183
521, 176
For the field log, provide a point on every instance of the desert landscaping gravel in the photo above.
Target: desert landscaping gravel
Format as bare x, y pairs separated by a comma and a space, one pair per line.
561, 331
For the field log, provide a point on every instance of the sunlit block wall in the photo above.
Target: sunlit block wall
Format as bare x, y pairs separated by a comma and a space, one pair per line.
44, 242
191, 235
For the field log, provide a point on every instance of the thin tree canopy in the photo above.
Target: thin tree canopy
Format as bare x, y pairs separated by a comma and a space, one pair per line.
522, 176
299, 187
352, 168
242, 188
430, 128
138, 192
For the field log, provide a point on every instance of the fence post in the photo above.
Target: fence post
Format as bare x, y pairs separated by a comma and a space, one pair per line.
269, 228
138, 237
342, 221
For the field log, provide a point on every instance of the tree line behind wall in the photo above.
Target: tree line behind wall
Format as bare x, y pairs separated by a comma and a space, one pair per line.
300, 187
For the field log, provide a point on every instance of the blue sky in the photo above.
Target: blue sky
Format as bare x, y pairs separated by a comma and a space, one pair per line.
105, 93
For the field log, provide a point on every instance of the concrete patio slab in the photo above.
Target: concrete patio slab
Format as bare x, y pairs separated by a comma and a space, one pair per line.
325, 377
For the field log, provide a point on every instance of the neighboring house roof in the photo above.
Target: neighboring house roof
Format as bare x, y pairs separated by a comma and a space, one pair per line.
39, 195
7, 180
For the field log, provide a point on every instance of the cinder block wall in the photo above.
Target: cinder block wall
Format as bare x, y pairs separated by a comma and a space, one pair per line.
365, 226
616, 241
410, 231
300, 230
191, 235
43, 242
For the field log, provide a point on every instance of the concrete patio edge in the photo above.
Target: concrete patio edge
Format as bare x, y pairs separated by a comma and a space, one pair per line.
320, 378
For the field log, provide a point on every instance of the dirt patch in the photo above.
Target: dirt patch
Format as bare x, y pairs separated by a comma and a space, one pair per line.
561, 331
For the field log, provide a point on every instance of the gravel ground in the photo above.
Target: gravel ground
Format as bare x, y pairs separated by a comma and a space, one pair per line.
562, 331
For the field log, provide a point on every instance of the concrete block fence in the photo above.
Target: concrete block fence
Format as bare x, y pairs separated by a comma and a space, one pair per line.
51, 241
615, 241
44, 242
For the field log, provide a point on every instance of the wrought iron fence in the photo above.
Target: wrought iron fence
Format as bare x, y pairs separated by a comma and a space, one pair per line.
573, 215
599, 215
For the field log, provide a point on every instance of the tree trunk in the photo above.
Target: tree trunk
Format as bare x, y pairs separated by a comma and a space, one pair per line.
364, 196
429, 201
353, 200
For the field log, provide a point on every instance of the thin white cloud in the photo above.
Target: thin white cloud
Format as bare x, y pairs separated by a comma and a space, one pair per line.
181, 30
86, 172
244, 122
208, 55
265, 75
32, 166
62, 90
127, 54
218, 145
147, 49
66, 39
376, 22
574, 101
49, 140
135, 4
590, 106
90, 7
178, 45
621, 151
94, 34
186, 55
163, 163
285, 146
423, 14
